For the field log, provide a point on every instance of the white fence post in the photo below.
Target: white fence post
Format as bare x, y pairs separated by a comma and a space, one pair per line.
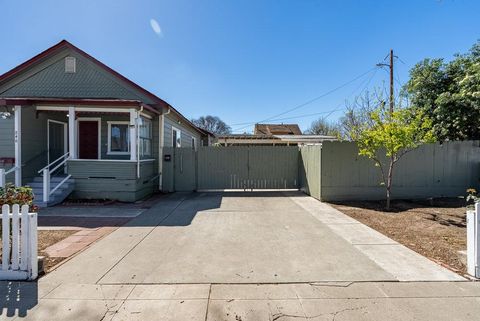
473, 241
32, 245
5, 237
46, 185
19, 244
2, 177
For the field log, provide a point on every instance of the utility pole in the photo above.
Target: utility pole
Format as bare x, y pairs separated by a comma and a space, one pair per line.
392, 97
390, 66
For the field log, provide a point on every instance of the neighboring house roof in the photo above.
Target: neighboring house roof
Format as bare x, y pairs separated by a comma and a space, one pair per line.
246, 137
156, 102
305, 138
277, 129
273, 139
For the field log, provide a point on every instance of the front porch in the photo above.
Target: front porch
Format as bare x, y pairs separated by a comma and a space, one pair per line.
90, 151
122, 180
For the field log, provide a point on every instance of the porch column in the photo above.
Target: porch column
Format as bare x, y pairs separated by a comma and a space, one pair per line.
133, 134
18, 145
72, 133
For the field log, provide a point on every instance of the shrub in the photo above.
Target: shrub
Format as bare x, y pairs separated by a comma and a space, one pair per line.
17, 195
472, 198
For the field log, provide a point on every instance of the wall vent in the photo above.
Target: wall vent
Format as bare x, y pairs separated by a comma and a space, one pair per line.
70, 65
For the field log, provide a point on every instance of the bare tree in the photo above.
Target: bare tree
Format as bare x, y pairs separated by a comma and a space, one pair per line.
322, 126
213, 124
358, 113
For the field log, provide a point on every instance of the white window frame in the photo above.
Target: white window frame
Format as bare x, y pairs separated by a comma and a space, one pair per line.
179, 134
65, 137
150, 139
109, 139
194, 143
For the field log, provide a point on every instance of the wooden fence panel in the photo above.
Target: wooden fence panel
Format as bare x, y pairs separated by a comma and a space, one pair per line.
248, 167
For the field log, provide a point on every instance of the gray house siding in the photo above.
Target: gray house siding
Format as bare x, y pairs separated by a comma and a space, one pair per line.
186, 131
7, 144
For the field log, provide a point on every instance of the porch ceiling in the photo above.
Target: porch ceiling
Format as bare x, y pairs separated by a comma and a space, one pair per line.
62, 102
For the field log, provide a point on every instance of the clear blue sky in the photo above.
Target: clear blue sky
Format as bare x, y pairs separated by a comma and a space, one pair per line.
244, 61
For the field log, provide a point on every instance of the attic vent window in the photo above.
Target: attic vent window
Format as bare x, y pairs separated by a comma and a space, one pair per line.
70, 65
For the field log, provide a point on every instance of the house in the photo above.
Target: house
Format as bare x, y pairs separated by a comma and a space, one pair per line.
273, 135
70, 124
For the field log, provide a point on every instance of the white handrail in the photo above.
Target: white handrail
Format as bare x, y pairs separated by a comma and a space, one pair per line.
60, 184
13, 169
61, 163
61, 157
47, 176
4, 173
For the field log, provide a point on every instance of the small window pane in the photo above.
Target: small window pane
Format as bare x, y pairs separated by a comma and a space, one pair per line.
194, 143
177, 138
119, 138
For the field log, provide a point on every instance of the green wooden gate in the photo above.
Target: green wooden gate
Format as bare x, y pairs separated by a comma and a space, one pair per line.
185, 178
234, 167
248, 167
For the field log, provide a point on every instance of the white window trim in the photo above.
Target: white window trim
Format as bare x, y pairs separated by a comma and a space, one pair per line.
99, 120
65, 137
194, 143
140, 138
179, 133
109, 139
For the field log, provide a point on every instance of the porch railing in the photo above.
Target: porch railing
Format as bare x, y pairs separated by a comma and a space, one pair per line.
4, 173
47, 173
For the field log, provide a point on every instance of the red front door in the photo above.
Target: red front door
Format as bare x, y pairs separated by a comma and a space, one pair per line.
88, 139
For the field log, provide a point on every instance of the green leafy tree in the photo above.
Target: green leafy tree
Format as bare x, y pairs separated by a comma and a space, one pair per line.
449, 93
386, 137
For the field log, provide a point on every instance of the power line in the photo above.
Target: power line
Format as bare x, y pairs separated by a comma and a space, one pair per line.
293, 117
366, 83
311, 100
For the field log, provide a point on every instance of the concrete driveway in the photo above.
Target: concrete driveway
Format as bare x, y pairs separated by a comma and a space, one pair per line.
263, 237
220, 256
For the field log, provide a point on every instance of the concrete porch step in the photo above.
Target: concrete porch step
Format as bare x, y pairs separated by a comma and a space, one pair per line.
39, 179
56, 197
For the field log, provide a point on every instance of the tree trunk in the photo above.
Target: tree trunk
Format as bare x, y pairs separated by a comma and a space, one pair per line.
389, 181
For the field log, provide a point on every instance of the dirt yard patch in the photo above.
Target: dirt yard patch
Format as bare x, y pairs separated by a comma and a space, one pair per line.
47, 238
434, 229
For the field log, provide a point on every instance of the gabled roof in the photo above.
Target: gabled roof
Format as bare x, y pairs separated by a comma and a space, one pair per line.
277, 129
158, 104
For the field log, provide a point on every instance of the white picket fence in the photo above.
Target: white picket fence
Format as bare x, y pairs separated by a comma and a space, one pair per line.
19, 244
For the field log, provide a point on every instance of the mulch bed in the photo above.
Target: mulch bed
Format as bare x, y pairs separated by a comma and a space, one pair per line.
434, 228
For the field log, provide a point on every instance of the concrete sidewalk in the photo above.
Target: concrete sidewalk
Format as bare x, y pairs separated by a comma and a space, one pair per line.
245, 256
351, 301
